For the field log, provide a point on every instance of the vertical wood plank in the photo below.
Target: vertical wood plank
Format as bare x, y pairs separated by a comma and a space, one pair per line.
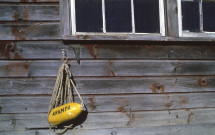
172, 18
64, 17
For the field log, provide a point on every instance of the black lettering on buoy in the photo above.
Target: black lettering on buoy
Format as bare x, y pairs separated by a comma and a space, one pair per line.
65, 108
69, 107
58, 111
62, 110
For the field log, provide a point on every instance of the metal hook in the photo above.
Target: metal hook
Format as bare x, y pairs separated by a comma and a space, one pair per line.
64, 53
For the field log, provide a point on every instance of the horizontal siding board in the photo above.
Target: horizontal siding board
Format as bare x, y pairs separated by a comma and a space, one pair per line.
110, 85
29, 12
101, 103
189, 129
32, 68
46, 49
30, 31
34, 50
114, 119
145, 51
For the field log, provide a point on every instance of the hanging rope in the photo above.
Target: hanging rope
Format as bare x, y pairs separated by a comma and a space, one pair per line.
62, 93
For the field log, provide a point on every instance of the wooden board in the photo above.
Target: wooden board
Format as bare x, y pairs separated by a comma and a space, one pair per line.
110, 85
46, 49
114, 119
189, 129
30, 31
14, 12
101, 103
32, 68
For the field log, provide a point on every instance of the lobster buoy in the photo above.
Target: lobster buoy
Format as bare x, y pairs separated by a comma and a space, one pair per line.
64, 113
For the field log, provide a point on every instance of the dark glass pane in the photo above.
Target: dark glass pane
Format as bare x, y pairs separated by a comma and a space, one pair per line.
118, 15
88, 15
208, 15
146, 13
190, 16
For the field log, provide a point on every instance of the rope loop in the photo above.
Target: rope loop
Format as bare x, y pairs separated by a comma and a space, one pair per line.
65, 60
62, 92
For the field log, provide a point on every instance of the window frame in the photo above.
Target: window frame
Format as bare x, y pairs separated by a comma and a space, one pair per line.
172, 25
68, 28
202, 33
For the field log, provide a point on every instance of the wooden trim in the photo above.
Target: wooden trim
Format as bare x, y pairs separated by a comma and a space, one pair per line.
64, 17
132, 16
103, 16
73, 17
172, 18
135, 37
162, 18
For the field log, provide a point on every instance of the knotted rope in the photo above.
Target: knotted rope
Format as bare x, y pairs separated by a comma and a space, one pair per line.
63, 91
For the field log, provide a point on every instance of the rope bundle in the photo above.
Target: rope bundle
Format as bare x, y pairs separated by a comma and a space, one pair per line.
62, 93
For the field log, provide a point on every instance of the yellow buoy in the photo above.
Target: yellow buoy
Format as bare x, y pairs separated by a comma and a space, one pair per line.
64, 113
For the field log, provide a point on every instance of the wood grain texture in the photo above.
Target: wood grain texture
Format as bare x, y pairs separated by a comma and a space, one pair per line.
103, 103
114, 119
110, 85
188, 129
46, 49
30, 12
29, 31
65, 17
172, 18
32, 68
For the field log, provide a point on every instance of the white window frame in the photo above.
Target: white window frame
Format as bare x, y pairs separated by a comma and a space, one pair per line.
192, 34
73, 21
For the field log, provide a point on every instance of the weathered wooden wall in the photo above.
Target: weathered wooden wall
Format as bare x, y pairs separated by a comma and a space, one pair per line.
129, 89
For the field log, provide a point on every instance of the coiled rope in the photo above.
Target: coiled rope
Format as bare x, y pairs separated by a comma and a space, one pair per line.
63, 91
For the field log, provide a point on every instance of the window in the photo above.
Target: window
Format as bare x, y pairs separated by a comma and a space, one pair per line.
148, 20
197, 18
106, 17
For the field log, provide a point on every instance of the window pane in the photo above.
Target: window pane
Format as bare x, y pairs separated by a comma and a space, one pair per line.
190, 14
146, 13
88, 15
208, 15
118, 15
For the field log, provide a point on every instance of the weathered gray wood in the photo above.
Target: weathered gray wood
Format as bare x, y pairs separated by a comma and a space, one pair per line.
135, 37
189, 129
34, 50
172, 18
114, 119
29, 12
101, 103
144, 51
113, 85
48, 31
108, 68
29, 31
65, 17
46, 49
24, 1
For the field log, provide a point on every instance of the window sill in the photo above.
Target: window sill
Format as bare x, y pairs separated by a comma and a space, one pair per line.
136, 37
